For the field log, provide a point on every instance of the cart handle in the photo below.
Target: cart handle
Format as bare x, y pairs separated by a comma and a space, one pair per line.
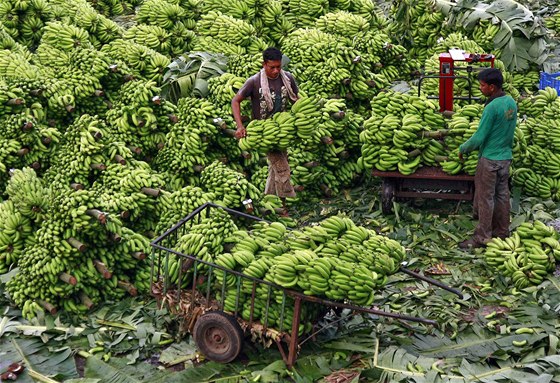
429, 280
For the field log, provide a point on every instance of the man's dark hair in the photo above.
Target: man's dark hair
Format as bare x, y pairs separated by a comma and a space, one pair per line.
492, 76
272, 54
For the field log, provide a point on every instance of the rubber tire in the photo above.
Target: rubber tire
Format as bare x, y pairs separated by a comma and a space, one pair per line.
229, 332
387, 195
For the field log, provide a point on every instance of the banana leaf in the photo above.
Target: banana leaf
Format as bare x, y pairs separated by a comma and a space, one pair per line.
470, 345
36, 356
521, 38
182, 76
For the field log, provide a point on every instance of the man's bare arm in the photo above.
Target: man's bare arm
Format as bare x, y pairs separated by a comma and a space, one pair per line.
236, 108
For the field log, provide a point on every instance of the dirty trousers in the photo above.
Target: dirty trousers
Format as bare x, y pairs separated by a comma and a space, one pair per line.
278, 181
491, 199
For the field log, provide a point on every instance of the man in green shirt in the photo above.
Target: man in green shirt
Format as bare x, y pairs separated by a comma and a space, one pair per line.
494, 141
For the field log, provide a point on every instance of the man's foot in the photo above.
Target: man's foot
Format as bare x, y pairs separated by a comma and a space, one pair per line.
470, 244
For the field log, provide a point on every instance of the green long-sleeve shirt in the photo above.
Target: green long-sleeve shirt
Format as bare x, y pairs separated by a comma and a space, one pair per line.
494, 136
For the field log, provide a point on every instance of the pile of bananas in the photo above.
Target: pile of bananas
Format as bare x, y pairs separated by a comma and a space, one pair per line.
335, 259
553, 22
80, 13
140, 118
398, 133
81, 152
137, 60
15, 229
172, 206
24, 20
184, 154
538, 170
419, 25
526, 257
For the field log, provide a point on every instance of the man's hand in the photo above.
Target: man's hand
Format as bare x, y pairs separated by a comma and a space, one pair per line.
240, 133
461, 157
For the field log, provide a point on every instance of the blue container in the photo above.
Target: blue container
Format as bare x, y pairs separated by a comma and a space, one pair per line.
550, 79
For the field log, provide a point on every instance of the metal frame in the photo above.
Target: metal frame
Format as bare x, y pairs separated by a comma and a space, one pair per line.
426, 182
160, 270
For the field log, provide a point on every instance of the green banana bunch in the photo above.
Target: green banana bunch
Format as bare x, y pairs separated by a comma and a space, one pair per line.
187, 142
419, 25
527, 256
80, 153
484, 33
230, 187
553, 22
526, 83
15, 229
136, 59
163, 14
151, 36
172, 206
342, 23
28, 194
227, 29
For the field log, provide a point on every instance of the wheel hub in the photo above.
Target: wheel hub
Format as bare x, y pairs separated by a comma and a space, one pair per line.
217, 339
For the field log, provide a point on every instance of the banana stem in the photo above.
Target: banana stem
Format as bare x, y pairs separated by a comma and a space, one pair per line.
338, 115
415, 153
15, 101
229, 132
115, 237
156, 100
220, 123
135, 149
99, 93
46, 140
98, 166
198, 168
69, 108
27, 126
150, 191
438, 134
327, 140
119, 159
246, 155
129, 287
47, 306
67, 278
139, 255
36, 165
311, 164
173, 118
344, 154
22, 152
124, 214
76, 186
98, 135
97, 214
102, 269
77, 244
86, 300
326, 190
441, 158
36, 92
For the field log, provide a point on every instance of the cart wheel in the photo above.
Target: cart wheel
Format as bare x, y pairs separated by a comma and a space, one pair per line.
218, 336
387, 195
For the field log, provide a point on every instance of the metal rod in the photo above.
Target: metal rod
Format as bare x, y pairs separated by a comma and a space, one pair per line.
431, 281
292, 354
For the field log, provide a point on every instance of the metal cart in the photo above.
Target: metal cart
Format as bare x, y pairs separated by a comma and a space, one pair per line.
219, 335
426, 182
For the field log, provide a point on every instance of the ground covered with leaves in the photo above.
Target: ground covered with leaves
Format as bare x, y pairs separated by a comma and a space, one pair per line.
494, 334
